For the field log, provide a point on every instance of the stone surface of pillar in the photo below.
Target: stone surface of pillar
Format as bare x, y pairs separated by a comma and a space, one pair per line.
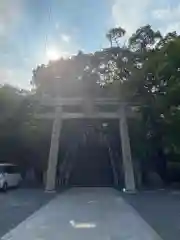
54, 149
126, 152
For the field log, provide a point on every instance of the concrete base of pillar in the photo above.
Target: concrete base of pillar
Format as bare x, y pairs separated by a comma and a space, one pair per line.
50, 191
129, 191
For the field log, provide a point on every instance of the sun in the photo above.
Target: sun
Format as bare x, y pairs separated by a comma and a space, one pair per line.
52, 54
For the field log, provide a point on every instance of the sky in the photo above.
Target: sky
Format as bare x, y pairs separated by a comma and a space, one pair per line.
33, 32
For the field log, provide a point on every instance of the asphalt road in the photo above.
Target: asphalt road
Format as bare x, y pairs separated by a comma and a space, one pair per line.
17, 204
85, 213
161, 209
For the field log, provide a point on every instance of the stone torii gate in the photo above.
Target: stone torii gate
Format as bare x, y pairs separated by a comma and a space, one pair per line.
66, 108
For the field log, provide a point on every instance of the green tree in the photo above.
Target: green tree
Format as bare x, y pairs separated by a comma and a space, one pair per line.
146, 71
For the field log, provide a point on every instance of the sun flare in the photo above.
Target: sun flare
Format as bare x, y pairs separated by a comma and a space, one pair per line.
52, 54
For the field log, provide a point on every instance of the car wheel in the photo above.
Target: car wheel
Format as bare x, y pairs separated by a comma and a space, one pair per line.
5, 187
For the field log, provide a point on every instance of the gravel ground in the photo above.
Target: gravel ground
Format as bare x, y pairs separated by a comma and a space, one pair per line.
161, 209
17, 204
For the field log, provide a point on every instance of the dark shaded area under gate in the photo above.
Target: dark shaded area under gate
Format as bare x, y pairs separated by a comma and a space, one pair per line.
92, 167
90, 153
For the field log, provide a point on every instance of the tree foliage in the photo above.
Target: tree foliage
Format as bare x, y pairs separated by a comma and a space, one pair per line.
146, 71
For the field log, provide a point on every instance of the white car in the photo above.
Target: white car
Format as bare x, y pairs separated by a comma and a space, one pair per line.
9, 176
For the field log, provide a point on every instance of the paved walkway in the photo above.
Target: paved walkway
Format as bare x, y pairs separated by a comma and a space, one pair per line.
84, 213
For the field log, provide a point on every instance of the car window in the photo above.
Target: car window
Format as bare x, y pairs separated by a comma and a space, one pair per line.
2, 169
12, 169
15, 169
8, 169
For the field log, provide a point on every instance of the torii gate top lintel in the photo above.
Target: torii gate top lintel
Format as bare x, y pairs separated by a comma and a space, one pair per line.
85, 107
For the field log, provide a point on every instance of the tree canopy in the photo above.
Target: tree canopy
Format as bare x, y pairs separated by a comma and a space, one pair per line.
146, 70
